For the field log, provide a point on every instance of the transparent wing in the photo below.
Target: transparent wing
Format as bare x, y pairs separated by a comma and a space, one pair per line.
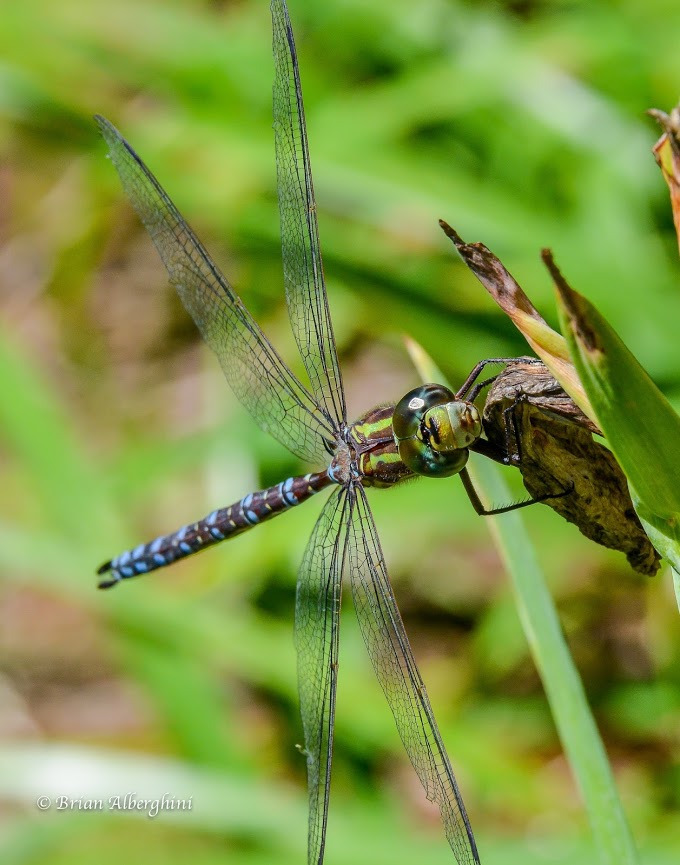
302, 266
396, 670
317, 622
260, 379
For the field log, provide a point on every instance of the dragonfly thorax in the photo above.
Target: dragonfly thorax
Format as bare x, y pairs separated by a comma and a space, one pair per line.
366, 451
433, 430
344, 467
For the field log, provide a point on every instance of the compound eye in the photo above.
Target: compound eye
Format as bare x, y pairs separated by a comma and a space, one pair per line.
433, 430
411, 408
423, 460
451, 426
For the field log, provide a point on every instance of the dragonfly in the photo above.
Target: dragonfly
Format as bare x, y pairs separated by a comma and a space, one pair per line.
537, 427
430, 431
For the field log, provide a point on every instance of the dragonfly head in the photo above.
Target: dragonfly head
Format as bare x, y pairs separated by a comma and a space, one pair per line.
433, 430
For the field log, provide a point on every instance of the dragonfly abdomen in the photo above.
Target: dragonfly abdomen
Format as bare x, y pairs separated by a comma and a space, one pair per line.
217, 526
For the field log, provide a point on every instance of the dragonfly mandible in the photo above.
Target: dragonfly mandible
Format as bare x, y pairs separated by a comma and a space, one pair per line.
429, 431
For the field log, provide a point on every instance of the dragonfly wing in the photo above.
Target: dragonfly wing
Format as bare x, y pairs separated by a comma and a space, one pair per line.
396, 670
317, 622
260, 379
302, 266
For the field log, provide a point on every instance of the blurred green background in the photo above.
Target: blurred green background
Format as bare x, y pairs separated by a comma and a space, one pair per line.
520, 123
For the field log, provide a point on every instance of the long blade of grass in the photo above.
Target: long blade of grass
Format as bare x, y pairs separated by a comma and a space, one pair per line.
641, 427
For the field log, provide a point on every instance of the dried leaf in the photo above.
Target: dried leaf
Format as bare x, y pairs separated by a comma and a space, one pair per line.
667, 154
549, 345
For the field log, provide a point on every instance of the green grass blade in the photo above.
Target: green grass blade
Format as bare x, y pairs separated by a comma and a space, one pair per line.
570, 710
641, 427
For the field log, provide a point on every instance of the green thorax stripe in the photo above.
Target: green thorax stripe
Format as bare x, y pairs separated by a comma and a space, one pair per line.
379, 460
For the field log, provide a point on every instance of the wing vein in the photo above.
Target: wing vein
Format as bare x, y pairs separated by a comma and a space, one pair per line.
396, 670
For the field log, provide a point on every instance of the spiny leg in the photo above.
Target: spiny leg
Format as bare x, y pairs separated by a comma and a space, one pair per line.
482, 511
477, 371
513, 439
479, 387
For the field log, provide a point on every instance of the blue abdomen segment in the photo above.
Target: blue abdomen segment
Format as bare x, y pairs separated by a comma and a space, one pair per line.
217, 526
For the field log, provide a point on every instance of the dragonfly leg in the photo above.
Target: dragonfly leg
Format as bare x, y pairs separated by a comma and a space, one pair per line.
479, 387
513, 436
482, 511
465, 391
490, 450
513, 440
